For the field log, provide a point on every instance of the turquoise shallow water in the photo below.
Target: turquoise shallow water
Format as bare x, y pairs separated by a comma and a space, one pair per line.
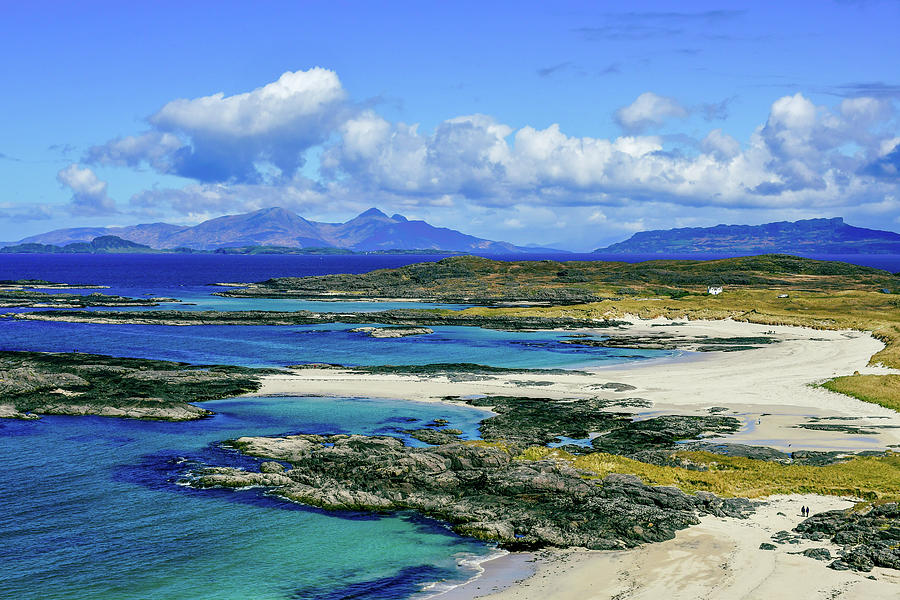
90, 509
193, 300
332, 343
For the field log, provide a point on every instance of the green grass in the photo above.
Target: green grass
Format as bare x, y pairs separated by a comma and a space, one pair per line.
883, 390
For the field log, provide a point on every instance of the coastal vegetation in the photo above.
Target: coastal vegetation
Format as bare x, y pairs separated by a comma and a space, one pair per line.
483, 281
877, 389
868, 477
772, 289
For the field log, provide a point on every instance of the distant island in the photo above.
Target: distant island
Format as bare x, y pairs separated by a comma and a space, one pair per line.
104, 244
272, 231
111, 244
811, 236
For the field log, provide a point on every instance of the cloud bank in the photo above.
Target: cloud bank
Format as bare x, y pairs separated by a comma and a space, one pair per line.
246, 150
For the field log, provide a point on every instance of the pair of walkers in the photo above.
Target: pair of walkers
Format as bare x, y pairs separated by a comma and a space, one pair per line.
804, 511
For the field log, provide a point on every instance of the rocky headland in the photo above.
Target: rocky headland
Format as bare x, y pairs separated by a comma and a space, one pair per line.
519, 485
482, 491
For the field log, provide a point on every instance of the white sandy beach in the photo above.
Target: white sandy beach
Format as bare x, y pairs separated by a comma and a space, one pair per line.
770, 388
719, 559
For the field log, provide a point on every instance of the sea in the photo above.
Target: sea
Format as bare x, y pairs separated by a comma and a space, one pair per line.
92, 508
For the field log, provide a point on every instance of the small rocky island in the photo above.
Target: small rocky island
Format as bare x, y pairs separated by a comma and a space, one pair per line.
25, 293
392, 332
74, 383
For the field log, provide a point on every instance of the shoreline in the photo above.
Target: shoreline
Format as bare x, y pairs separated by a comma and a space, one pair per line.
497, 573
753, 385
719, 559
774, 385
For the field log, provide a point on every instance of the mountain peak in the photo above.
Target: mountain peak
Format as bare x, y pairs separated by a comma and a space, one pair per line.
277, 226
273, 211
372, 212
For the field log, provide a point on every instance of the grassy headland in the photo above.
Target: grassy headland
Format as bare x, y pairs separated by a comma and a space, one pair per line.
479, 280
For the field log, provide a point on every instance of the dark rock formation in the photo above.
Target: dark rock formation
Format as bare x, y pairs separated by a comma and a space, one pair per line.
522, 422
817, 553
870, 538
435, 437
481, 491
665, 341
403, 317
29, 298
33, 383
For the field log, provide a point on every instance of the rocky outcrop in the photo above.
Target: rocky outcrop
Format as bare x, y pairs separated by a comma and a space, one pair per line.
29, 298
667, 341
392, 332
38, 383
402, 317
868, 538
482, 491
522, 422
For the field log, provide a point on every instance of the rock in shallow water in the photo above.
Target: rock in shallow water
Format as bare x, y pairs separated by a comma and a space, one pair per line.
392, 332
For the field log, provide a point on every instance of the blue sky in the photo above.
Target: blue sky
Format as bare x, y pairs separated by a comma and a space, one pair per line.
567, 123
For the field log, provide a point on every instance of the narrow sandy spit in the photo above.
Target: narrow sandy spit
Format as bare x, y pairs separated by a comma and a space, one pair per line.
771, 389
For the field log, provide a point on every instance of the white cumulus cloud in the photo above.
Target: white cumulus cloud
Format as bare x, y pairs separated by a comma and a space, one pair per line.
649, 110
89, 197
221, 138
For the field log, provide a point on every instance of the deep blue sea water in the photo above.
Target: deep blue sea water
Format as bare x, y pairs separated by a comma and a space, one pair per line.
137, 274
90, 507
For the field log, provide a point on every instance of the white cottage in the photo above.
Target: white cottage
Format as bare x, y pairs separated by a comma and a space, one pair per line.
714, 290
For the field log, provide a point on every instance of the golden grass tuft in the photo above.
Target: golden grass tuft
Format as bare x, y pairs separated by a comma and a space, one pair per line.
868, 477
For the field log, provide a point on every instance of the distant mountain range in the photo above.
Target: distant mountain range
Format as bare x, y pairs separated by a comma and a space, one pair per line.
811, 236
277, 227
